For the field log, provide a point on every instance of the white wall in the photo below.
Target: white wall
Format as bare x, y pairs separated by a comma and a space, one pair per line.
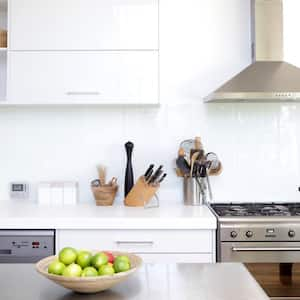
202, 44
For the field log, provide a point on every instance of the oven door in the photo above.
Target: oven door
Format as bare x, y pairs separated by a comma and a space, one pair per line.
273, 265
265, 252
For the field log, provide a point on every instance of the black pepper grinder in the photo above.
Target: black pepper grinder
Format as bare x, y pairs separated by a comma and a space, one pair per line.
129, 172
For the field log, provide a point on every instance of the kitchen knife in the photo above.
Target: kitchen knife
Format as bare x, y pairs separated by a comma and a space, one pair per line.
149, 175
155, 176
162, 178
149, 170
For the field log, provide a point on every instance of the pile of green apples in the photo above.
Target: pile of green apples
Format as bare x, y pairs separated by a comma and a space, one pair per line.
73, 263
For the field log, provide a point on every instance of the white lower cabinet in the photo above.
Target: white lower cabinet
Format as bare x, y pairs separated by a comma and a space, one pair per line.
95, 77
172, 246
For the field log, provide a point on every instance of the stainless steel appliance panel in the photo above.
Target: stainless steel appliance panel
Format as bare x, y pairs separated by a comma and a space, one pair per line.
26, 246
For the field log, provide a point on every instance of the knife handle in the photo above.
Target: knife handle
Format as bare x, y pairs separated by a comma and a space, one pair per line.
147, 178
149, 170
162, 178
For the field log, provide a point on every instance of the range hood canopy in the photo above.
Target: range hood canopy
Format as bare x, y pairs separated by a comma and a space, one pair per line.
268, 78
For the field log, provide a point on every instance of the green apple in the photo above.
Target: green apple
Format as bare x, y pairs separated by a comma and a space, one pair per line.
84, 259
89, 272
99, 259
107, 269
121, 265
56, 267
123, 258
67, 255
72, 270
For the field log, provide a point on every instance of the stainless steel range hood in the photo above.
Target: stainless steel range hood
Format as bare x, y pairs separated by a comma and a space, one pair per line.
268, 78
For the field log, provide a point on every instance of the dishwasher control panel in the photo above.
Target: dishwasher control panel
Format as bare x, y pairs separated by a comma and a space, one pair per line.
26, 246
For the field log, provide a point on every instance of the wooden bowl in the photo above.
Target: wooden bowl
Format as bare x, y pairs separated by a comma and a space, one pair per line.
89, 284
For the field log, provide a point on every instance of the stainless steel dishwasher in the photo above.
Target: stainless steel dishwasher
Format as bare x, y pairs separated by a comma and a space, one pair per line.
26, 246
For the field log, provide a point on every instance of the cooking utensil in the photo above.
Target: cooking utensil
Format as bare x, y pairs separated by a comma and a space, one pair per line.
113, 181
193, 159
101, 174
187, 146
149, 170
162, 178
212, 159
149, 176
209, 188
179, 173
154, 180
129, 179
156, 175
198, 147
181, 162
213, 164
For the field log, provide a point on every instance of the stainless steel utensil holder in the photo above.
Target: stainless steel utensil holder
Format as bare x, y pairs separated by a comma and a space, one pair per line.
191, 191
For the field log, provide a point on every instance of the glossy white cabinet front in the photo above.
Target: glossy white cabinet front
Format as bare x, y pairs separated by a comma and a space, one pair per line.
108, 77
174, 246
83, 24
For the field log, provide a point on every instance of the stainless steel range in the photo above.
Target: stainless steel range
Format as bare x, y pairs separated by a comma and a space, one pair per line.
266, 236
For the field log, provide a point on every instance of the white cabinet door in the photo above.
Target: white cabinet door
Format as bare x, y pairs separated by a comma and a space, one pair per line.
104, 77
152, 245
83, 24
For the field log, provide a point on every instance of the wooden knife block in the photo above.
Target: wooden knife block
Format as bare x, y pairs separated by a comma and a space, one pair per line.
141, 193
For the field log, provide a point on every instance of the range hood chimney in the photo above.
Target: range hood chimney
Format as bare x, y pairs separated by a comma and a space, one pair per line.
268, 78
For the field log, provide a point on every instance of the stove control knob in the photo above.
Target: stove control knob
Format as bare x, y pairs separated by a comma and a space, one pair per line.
249, 234
233, 234
291, 233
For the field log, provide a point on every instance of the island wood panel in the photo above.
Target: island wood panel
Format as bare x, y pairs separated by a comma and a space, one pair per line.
274, 284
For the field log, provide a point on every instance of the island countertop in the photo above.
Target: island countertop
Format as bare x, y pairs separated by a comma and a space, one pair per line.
152, 282
26, 215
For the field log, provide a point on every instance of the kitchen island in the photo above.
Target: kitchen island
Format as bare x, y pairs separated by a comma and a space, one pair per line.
151, 282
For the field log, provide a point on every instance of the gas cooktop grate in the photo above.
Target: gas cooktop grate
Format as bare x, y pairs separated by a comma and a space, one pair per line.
256, 209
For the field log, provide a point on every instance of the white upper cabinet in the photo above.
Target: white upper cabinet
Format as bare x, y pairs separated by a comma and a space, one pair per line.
83, 24
83, 77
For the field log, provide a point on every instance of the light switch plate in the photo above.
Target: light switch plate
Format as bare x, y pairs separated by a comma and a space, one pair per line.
19, 190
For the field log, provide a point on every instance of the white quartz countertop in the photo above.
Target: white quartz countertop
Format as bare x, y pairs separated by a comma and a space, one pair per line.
18, 215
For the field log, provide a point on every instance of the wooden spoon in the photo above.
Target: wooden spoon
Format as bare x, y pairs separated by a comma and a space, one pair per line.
102, 174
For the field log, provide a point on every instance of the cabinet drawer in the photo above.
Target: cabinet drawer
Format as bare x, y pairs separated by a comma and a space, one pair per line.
83, 24
140, 241
110, 77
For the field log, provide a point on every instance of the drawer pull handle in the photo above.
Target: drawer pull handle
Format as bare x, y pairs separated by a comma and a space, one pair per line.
145, 243
82, 93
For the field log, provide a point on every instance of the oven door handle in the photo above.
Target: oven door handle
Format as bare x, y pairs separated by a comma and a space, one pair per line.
241, 249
